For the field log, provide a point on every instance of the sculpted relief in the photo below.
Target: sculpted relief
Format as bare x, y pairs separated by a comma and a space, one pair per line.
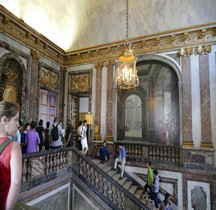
11, 78
80, 83
48, 79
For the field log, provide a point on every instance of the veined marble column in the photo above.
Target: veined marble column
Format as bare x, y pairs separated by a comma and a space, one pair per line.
109, 113
34, 91
186, 103
97, 122
206, 141
62, 92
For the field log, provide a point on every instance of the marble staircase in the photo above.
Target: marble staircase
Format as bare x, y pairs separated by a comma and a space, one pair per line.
125, 182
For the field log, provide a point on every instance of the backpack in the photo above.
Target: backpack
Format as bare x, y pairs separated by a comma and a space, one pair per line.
55, 133
4, 144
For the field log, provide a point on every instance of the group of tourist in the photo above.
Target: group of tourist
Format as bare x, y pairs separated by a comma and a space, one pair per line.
33, 136
31, 139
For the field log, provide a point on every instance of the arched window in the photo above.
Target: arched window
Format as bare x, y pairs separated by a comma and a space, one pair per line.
150, 113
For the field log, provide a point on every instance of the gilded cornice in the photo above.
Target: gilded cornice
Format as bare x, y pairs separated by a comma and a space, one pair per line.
186, 38
16, 28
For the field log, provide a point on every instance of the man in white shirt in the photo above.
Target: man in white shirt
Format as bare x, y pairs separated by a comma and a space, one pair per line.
83, 134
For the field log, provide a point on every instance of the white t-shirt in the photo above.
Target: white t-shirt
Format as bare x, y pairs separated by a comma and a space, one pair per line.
59, 141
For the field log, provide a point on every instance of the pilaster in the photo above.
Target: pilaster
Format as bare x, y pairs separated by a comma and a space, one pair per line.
206, 141
187, 103
98, 66
34, 90
109, 113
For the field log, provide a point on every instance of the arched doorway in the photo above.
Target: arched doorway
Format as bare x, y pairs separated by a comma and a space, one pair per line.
157, 102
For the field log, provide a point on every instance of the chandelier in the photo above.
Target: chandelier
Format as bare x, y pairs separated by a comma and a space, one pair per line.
126, 75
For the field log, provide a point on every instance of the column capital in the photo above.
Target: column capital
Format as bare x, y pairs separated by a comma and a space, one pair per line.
35, 53
110, 63
99, 65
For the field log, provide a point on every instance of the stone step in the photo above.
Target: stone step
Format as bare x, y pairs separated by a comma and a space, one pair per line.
138, 193
122, 181
116, 176
133, 188
111, 173
106, 168
95, 161
127, 184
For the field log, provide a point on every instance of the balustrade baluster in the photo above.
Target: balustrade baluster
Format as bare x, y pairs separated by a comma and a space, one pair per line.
161, 153
154, 153
173, 155
169, 154
89, 172
105, 187
110, 191
51, 163
165, 154
150, 152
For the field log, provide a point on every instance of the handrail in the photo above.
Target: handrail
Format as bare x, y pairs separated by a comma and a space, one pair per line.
125, 192
42, 166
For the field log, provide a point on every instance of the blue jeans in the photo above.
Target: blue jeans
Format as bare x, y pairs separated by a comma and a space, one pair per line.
154, 197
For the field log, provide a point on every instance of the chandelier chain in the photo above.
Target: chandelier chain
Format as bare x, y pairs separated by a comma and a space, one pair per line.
126, 20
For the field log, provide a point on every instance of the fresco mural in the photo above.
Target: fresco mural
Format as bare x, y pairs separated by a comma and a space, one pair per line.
150, 113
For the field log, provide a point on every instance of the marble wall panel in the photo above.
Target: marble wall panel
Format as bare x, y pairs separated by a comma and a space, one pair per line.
205, 100
54, 200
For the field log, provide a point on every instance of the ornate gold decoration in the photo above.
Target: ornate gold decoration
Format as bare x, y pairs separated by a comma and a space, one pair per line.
35, 54
110, 64
188, 144
80, 83
18, 29
148, 44
206, 145
175, 39
204, 49
99, 65
10, 93
186, 52
48, 79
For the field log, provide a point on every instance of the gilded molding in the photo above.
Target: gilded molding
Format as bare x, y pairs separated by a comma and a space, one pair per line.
174, 40
48, 79
204, 49
166, 41
16, 28
110, 64
186, 51
188, 144
99, 65
35, 54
